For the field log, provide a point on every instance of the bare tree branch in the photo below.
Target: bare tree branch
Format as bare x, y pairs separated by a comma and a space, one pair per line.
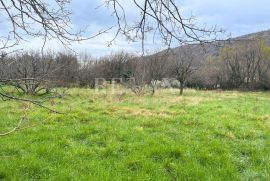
37, 103
163, 17
37, 18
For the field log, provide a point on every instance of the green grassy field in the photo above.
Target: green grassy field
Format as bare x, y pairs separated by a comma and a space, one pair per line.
203, 135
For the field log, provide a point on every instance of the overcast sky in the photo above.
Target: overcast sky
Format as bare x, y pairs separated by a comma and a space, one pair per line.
238, 17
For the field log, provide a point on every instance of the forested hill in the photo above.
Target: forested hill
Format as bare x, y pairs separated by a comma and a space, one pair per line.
212, 49
264, 34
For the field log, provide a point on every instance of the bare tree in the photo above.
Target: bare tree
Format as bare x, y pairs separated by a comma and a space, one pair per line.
209, 75
27, 71
183, 65
84, 74
157, 67
137, 80
34, 73
114, 65
244, 63
39, 19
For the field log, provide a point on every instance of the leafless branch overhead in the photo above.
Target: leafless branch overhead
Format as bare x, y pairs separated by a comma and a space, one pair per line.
38, 18
163, 18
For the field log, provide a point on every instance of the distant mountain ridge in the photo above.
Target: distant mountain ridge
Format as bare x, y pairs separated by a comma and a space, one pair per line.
213, 49
264, 34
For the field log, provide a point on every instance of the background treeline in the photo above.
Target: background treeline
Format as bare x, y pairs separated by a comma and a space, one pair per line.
238, 65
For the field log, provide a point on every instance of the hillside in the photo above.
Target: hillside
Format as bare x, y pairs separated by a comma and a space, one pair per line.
263, 34
212, 49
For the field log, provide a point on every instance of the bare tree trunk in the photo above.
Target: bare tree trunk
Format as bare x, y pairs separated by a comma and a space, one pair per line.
181, 88
153, 90
153, 87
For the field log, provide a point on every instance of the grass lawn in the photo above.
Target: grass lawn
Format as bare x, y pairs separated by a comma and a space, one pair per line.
203, 135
